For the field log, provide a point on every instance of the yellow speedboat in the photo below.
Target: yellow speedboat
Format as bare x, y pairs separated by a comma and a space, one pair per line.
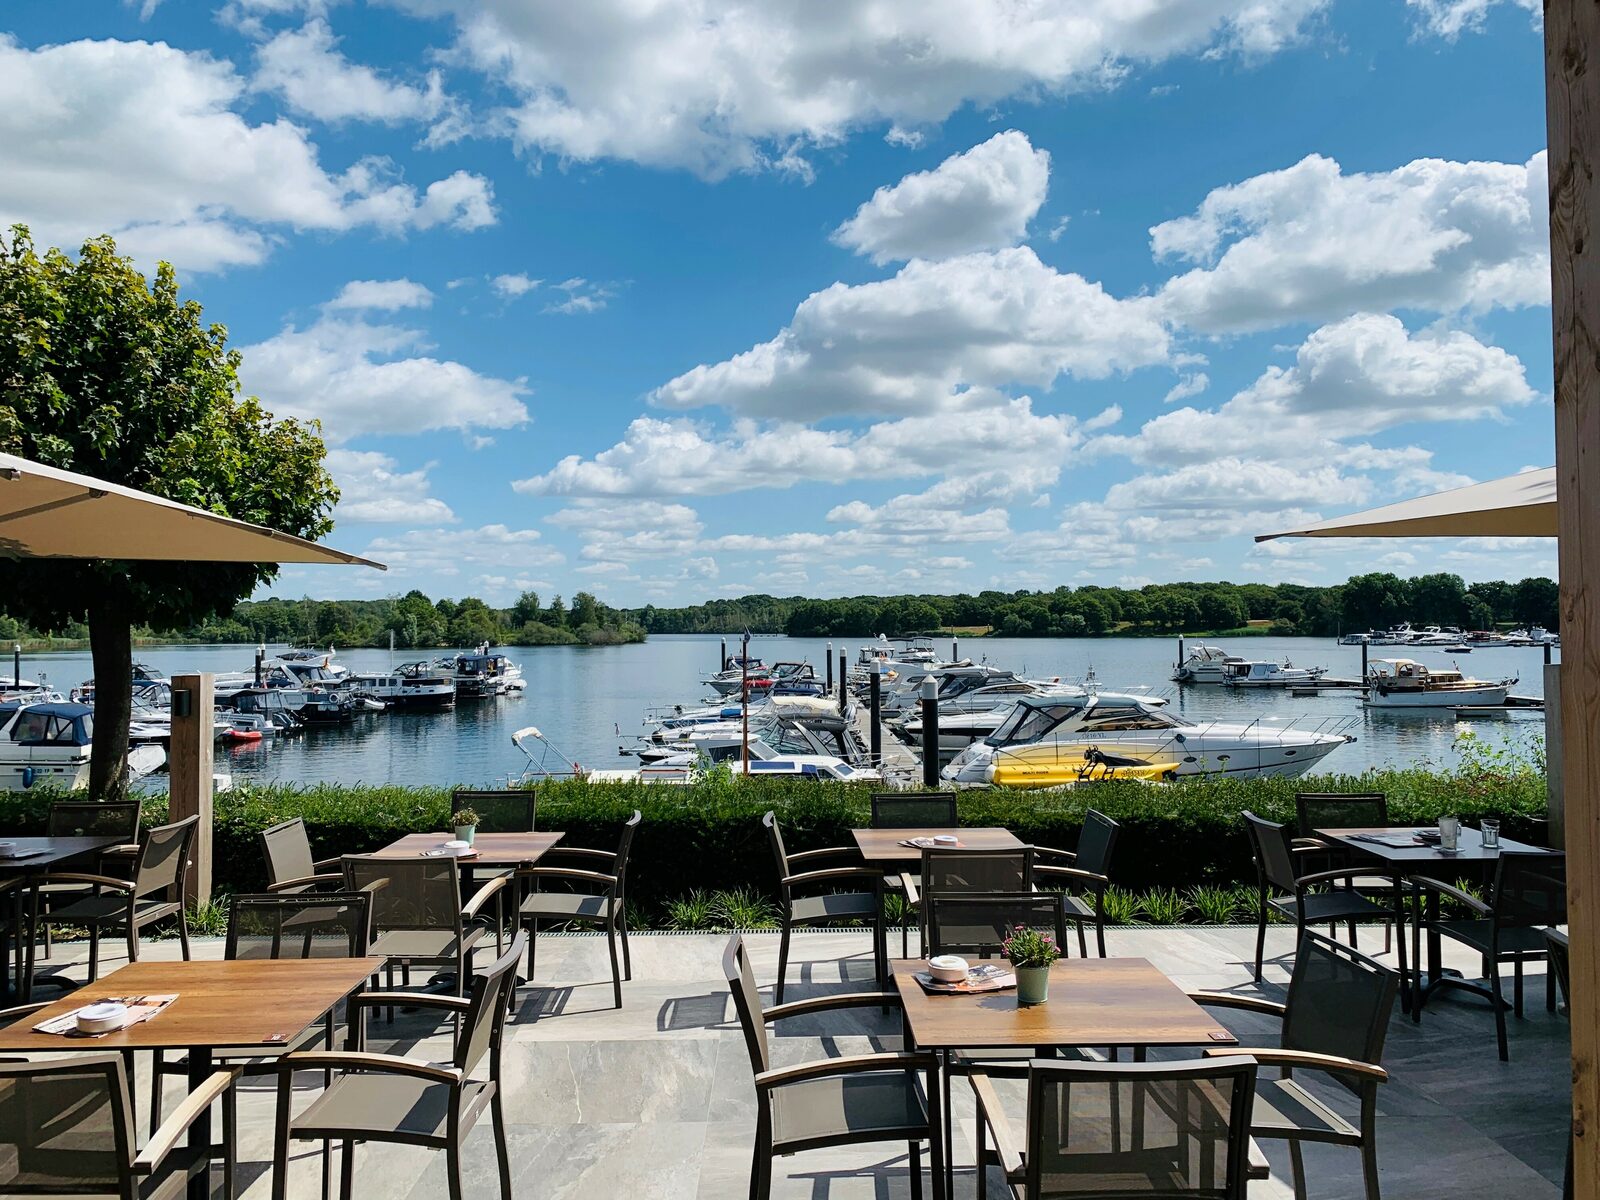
1050, 766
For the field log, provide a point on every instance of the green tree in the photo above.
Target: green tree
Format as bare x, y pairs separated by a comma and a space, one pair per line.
585, 611
524, 610
1538, 603
1438, 599
113, 375
1375, 601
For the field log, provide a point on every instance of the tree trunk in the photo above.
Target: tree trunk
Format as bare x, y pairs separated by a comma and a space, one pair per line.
111, 644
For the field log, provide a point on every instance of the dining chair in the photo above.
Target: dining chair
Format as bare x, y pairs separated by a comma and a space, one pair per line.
388, 1098
603, 906
500, 810
93, 818
1174, 1130
1561, 968
1335, 1020
855, 1100
67, 1128
911, 810
1529, 893
155, 893
1343, 810
978, 925
290, 867
955, 872
1087, 870
1298, 896
797, 873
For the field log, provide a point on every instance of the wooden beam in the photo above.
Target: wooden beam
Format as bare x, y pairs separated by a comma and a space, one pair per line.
1572, 94
190, 759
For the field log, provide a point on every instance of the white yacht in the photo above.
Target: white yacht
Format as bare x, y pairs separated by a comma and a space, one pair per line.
1134, 727
51, 742
958, 729
1271, 674
1204, 664
1404, 683
485, 673
409, 686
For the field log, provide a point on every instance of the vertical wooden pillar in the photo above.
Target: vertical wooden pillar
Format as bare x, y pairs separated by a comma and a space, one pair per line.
189, 766
1555, 797
1572, 96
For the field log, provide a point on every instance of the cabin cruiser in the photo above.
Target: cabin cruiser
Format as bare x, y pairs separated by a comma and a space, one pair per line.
826, 734
952, 681
1134, 727
311, 666
1204, 664
1537, 635
668, 725
484, 674
731, 678
51, 742
308, 708
959, 729
895, 656
782, 678
409, 686
1404, 683
1270, 674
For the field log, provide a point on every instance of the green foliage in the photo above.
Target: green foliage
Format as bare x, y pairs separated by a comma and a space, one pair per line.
744, 908
691, 913
1213, 905
1121, 906
1162, 906
1031, 948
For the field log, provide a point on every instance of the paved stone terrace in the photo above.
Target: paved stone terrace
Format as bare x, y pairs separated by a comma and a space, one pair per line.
655, 1102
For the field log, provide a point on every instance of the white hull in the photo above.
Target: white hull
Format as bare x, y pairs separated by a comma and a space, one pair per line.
1488, 694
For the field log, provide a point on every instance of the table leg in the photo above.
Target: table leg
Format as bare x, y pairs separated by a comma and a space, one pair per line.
15, 980
200, 1068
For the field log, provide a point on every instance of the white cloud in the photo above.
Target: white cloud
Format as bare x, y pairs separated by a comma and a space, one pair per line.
919, 341
387, 295
372, 488
981, 199
140, 140
1312, 243
509, 287
1229, 482
305, 67
729, 85
1450, 18
1187, 385
357, 379
581, 296
478, 559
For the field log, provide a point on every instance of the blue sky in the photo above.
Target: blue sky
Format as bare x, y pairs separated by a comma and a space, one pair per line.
675, 301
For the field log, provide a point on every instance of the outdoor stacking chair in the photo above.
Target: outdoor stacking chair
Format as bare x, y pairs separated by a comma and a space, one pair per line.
290, 867
970, 872
500, 810
911, 810
604, 906
153, 894
390, 1098
1174, 1130
1089, 868
1335, 1020
1342, 810
859, 1099
93, 818
1298, 898
796, 874
1530, 893
67, 1128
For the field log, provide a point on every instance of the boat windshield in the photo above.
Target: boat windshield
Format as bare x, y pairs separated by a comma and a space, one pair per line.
45, 726
1115, 717
1030, 722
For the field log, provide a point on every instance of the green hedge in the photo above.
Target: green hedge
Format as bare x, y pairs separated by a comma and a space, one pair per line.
708, 837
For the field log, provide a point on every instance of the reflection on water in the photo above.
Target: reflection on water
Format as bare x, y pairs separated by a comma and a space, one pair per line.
588, 701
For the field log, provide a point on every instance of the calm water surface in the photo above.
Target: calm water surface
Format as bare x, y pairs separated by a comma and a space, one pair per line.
587, 701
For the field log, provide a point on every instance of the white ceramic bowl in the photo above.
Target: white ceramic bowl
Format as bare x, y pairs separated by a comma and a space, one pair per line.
102, 1017
947, 968
947, 839
458, 847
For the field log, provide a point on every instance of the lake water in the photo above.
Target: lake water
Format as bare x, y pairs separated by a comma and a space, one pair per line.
587, 701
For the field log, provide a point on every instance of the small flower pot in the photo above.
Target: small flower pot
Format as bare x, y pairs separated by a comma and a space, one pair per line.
1033, 985
465, 833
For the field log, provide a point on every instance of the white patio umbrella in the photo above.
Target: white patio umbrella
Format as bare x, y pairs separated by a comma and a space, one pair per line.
46, 512
1517, 506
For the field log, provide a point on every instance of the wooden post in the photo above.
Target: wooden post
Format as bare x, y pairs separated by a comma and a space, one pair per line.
189, 763
1553, 757
1572, 114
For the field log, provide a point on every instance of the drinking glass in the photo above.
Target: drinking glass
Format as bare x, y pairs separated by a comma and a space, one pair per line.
1450, 833
1489, 827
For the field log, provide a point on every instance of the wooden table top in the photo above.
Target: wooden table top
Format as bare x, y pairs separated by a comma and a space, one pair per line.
1093, 1002
54, 851
883, 845
1471, 844
493, 849
251, 1002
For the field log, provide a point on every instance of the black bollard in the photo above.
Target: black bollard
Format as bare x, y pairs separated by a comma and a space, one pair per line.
843, 702
930, 733
955, 650
1547, 654
724, 665
828, 658
1363, 662
1180, 652
259, 655
875, 714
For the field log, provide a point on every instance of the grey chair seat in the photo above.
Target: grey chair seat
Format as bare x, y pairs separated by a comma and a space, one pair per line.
852, 1108
109, 907
1340, 904
568, 905
401, 1108
1514, 939
423, 943
1284, 1108
836, 906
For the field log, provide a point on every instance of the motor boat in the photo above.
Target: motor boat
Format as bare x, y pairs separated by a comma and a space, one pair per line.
731, 678
1204, 664
1043, 728
485, 674
1270, 674
1073, 767
51, 742
1405, 683
409, 686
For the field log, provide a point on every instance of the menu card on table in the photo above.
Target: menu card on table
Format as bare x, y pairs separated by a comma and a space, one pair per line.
986, 977
140, 1009
928, 843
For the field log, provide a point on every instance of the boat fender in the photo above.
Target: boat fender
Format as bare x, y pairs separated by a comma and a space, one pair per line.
27, 777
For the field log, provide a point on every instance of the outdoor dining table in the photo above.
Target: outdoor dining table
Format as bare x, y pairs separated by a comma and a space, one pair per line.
886, 847
496, 851
33, 856
1111, 1003
245, 1004
1400, 854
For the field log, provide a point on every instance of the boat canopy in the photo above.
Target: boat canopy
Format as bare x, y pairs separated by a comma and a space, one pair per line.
51, 724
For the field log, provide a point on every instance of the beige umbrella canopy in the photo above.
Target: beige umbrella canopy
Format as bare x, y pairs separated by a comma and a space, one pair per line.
46, 512
1517, 506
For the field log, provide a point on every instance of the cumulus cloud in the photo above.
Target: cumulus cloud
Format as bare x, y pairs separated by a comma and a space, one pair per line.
981, 199
142, 140
1450, 18
924, 339
1187, 385
372, 488
728, 85
1311, 243
579, 296
475, 559
306, 68
386, 295
509, 287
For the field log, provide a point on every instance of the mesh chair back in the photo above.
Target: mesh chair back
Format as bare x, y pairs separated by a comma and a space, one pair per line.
299, 925
963, 872
164, 857
747, 1002
624, 848
1096, 842
979, 925
1339, 1003
1174, 1130
914, 810
421, 893
508, 810
92, 818
1269, 842
1530, 889
1338, 810
482, 1025
288, 851
775, 839
66, 1127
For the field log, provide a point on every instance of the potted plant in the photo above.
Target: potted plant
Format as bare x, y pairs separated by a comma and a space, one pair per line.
466, 823
1030, 954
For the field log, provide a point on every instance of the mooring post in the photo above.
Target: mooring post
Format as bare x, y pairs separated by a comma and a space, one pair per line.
875, 712
1547, 654
1180, 652
261, 653
724, 665
930, 732
828, 658
843, 703
955, 650
1363, 662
